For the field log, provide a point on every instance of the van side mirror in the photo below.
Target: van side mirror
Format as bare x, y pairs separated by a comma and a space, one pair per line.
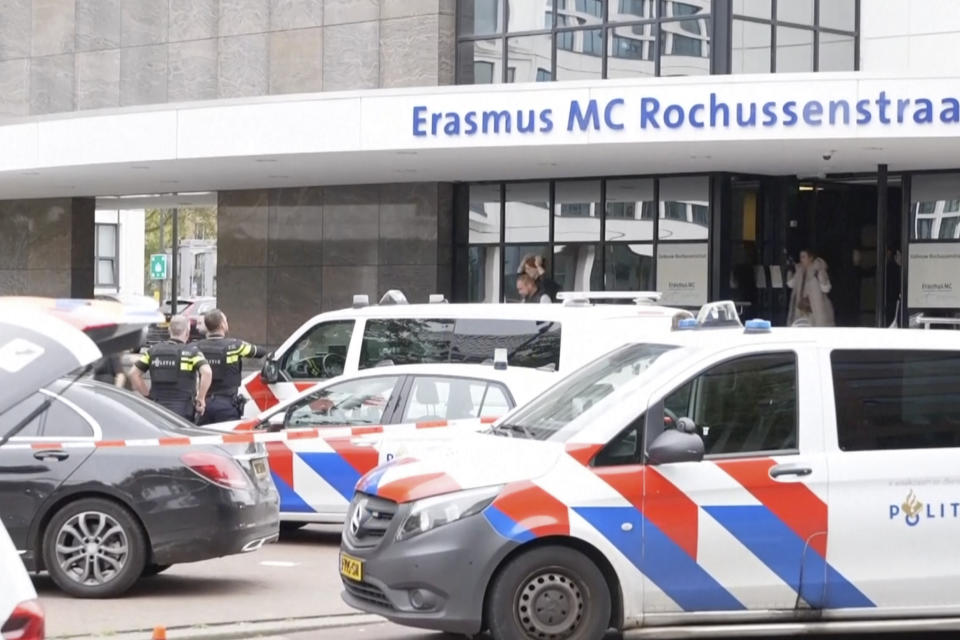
270, 372
676, 445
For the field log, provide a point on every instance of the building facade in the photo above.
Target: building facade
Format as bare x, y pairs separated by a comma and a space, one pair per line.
355, 146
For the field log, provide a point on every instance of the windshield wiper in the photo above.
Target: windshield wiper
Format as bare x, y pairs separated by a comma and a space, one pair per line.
43, 406
514, 430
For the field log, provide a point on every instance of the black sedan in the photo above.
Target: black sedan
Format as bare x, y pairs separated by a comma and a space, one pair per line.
99, 518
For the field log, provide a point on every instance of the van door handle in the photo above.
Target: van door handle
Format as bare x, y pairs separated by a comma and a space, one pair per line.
789, 470
57, 454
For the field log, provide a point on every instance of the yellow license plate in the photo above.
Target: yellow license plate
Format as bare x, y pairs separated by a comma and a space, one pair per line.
351, 567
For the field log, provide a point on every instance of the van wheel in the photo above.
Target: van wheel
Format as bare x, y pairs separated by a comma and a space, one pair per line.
94, 548
551, 592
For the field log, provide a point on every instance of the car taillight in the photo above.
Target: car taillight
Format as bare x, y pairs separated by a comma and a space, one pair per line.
26, 623
218, 469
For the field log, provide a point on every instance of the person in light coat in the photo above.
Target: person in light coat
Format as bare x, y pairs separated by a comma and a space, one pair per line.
810, 284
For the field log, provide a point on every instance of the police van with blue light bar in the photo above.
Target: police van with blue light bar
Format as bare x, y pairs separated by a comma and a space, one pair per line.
718, 480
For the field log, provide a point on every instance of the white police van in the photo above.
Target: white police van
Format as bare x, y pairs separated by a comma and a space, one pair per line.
557, 337
726, 482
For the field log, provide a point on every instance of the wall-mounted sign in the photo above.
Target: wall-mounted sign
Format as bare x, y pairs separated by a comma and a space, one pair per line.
682, 274
934, 275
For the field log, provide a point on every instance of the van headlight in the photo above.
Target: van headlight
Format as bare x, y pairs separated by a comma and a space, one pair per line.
430, 513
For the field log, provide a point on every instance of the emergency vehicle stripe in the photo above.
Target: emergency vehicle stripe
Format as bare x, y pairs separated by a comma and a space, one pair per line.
261, 394
362, 459
290, 500
519, 500
281, 461
792, 502
801, 566
583, 452
333, 469
418, 486
507, 526
671, 510
664, 562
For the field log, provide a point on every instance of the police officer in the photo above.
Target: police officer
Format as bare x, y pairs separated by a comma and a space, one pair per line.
225, 356
173, 367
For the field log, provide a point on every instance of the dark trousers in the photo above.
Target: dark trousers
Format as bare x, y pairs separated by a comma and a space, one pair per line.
182, 407
219, 409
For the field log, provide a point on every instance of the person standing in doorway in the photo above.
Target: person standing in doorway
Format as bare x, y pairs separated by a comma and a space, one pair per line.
225, 356
528, 290
533, 266
174, 368
810, 284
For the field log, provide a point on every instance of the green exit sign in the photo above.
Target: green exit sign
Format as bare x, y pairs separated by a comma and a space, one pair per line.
158, 266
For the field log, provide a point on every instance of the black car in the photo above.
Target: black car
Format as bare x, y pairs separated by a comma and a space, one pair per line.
97, 519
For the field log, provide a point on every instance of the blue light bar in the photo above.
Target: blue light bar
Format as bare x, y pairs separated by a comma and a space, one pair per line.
757, 326
687, 323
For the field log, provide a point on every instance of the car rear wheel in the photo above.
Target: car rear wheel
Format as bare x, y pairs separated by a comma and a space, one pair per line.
94, 548
554, 593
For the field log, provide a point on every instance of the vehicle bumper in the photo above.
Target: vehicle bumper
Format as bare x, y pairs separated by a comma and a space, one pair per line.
226, 527
447, 570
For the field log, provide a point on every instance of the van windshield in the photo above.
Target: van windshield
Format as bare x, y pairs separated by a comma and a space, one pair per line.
572, 397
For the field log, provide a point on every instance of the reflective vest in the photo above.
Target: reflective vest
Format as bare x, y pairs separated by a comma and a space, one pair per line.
173, 375
224, 357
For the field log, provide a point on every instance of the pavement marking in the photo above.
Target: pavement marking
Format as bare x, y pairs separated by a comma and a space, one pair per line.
278, 563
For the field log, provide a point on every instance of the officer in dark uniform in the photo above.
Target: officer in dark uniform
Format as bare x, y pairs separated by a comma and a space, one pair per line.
225, 356
174, 367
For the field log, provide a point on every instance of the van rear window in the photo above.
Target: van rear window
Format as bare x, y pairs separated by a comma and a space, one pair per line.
529, 343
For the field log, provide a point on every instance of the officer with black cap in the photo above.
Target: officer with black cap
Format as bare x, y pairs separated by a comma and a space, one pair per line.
174, 366
225, 356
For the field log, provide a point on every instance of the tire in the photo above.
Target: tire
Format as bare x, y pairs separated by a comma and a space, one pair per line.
573, 596
120, 549
154, 569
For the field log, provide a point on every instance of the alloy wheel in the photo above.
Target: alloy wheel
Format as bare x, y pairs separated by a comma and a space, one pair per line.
92, 548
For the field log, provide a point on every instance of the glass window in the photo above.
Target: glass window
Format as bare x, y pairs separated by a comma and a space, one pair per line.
543, 75
889, 399
625, 448
513, 258
681, 8
751, 43
496, 403
529, 54
681, 52
631, 52
753, 8
484, 274
577, 211
528, 212
321, 353
579, 392
435, 398
836, 52
680, 198
577, 267
744, 405
798, 11
532, 344
629, 208
528, 15
949, 228
354, 403
838, 14
480, 17
20, 411
480, 61
591, 8
484, 213
936, 200
629, 267
405, 341
60, 421
794, 50
623, 10
106, 252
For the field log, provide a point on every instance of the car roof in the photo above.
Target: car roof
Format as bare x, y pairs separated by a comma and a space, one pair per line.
828, 337
511, 376
547, 312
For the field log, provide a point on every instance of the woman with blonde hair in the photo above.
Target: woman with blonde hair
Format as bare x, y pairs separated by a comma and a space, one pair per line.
809, 304
533, 266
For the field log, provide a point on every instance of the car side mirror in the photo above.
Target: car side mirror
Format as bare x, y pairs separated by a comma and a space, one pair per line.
676, 445
270, 372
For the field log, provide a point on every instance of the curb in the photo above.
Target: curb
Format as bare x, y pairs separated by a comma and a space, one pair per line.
238, 630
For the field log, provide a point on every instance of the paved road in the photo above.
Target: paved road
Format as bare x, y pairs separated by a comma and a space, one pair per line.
295, 579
